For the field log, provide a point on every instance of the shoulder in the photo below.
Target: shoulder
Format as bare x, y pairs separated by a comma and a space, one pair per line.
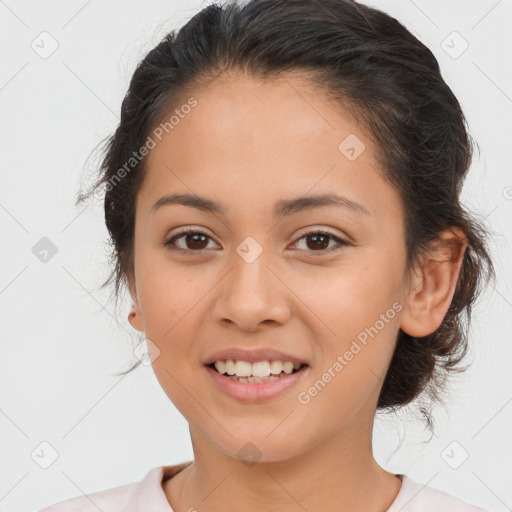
416, 497
109, 500
117, 499
124, 498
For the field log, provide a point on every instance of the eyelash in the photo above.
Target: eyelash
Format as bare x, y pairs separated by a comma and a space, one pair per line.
171, 241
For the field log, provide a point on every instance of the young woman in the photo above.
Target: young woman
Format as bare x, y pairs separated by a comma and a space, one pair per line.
282, 194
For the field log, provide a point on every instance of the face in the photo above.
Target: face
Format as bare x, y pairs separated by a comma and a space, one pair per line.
323, 284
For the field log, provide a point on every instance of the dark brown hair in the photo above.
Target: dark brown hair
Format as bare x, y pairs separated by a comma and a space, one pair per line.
369, 63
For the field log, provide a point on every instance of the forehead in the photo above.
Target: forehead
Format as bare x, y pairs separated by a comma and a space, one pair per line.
248, 140
234, 109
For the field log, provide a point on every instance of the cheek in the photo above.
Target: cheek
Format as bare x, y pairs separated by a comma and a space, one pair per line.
168, 297
357, 318
171, 309
352, 296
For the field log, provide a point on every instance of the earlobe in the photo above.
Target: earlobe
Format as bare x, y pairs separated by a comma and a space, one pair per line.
135, 317
433, 285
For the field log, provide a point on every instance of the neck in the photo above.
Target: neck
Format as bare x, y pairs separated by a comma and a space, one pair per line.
339, 475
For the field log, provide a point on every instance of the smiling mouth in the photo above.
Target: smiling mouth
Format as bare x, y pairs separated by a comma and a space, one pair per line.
254, 379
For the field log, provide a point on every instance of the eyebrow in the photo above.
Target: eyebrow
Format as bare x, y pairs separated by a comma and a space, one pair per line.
282, 208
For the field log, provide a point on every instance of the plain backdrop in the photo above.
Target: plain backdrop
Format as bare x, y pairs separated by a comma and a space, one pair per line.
61, 405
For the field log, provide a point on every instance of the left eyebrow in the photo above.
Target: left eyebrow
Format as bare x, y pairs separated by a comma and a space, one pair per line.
282, 207
288, 206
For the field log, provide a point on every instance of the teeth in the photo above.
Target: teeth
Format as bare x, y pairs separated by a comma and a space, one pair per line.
243, 369
254, 379
230, 367
288, 367
276, 367
220, 366
260, 369
257, 370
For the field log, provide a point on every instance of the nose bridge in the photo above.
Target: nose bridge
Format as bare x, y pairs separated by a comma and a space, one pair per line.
251, 278
251, 293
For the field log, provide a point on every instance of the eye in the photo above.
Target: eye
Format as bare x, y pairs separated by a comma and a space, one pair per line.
195, 239
321, 241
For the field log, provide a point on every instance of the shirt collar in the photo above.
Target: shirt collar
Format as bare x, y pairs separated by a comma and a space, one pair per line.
150, 495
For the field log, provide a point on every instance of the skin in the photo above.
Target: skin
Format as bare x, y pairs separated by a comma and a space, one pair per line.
249, 144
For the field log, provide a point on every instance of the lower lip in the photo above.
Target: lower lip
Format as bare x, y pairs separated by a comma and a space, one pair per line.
255, 391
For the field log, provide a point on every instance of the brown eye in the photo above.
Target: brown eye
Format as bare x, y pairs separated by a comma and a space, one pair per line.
318, 241
197, 241
193, 241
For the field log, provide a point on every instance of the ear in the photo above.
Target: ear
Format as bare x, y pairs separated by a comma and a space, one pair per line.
433, 284
135, 315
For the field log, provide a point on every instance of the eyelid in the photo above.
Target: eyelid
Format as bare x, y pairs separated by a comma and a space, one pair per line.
308, 231
317, 229
340, 241
168, 242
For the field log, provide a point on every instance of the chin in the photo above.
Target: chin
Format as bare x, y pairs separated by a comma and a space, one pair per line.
262, 447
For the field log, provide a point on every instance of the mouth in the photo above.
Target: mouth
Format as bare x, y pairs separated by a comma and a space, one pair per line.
256, 373
255, 382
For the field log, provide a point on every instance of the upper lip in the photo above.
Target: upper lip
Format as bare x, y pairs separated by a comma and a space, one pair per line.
252, 356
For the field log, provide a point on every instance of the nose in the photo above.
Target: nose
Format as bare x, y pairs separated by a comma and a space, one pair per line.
252, 295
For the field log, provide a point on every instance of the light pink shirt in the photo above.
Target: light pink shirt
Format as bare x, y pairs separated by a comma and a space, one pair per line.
148, 496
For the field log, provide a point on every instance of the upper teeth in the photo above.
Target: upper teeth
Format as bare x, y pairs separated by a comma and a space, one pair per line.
258, 369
